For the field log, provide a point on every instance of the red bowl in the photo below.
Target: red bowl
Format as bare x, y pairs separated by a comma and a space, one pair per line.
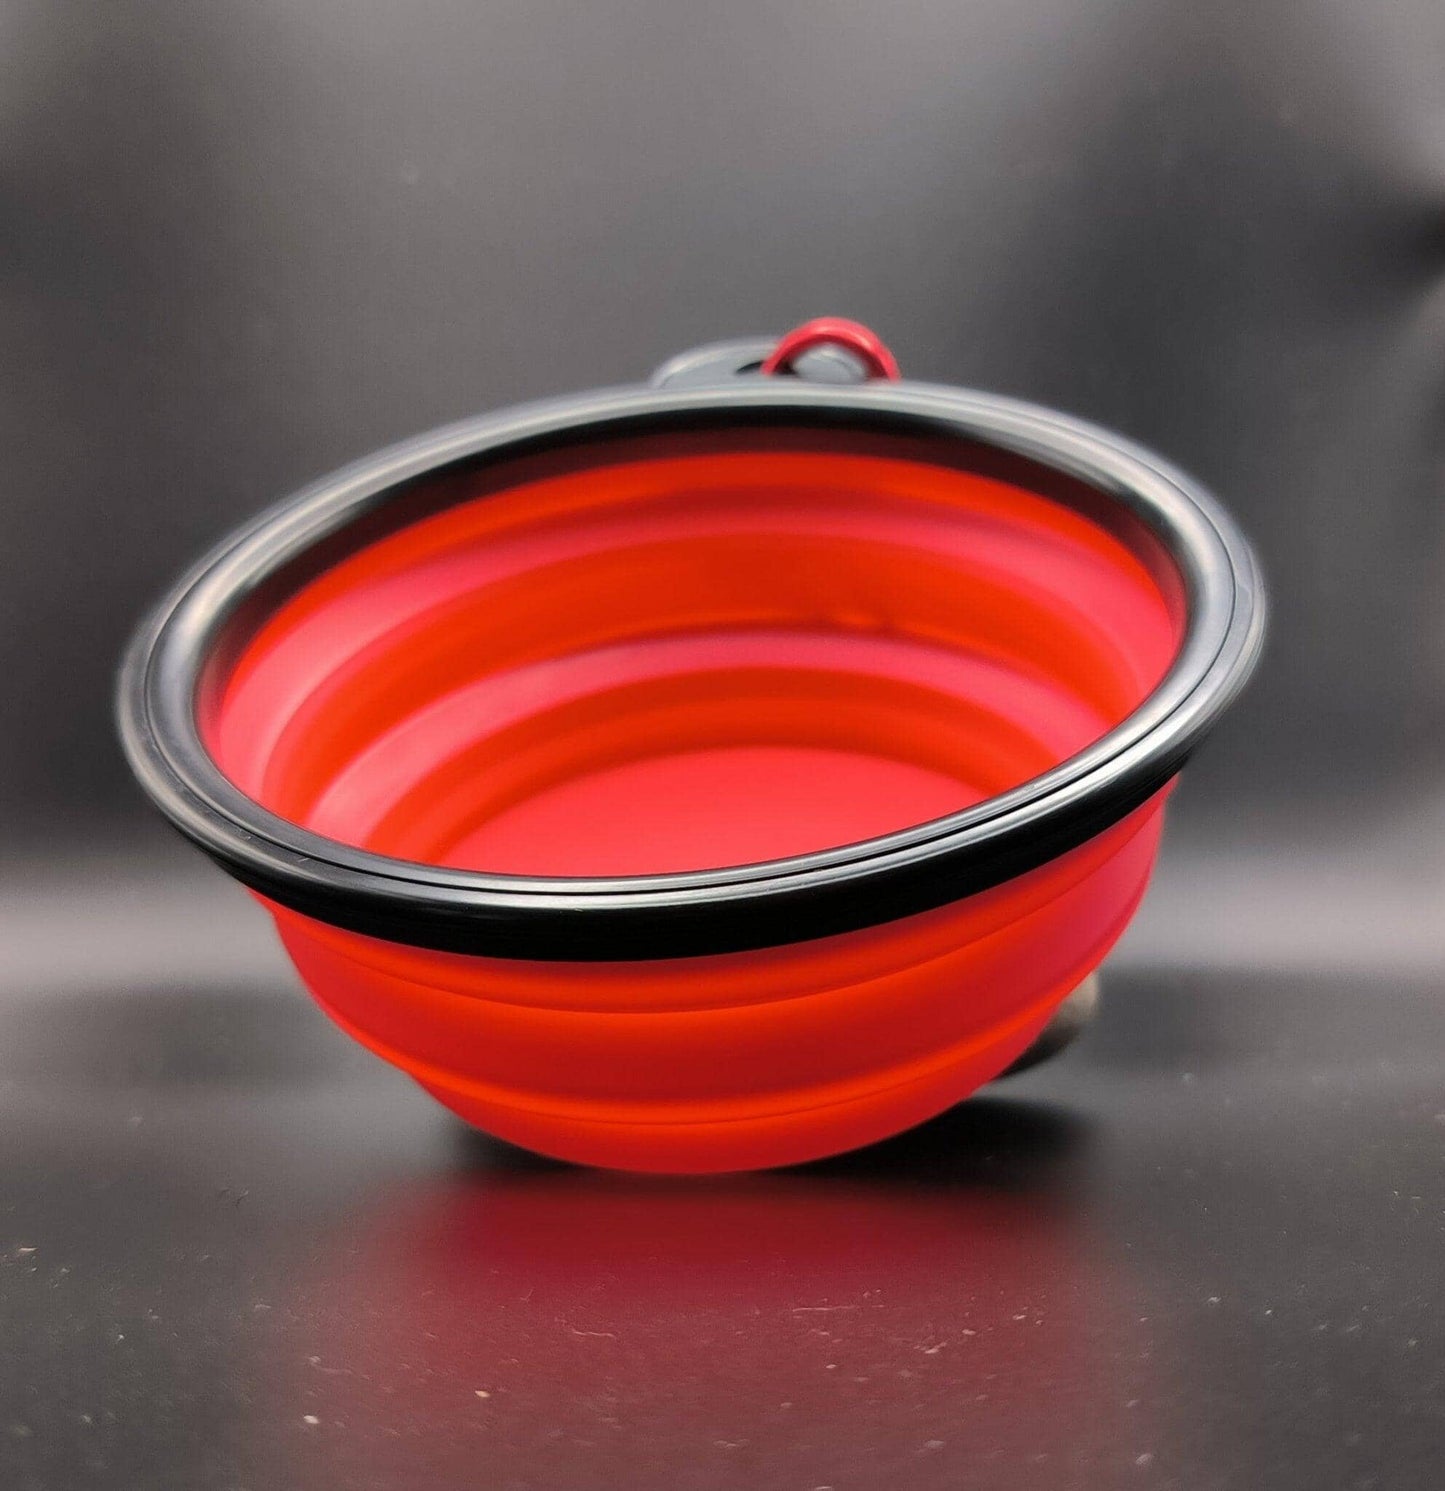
708, 776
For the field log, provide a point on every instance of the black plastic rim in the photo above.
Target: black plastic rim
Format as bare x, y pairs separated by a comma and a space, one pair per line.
714, 911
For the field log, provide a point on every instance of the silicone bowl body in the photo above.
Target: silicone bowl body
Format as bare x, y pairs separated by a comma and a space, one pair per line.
701, 780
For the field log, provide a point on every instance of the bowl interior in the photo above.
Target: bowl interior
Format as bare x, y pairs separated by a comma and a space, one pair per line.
677, 659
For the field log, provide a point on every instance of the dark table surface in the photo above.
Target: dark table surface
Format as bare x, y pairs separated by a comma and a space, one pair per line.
1201, 1249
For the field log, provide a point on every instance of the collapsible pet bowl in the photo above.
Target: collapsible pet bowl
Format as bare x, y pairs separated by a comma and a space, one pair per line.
710, 775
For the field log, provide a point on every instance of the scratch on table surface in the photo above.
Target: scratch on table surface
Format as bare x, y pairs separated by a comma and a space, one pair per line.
601, 1335
820, 1309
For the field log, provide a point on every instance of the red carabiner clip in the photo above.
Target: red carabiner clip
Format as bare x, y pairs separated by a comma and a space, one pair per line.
834, 331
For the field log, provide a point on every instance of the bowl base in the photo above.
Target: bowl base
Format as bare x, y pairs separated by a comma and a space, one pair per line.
707, 809
1068, 1023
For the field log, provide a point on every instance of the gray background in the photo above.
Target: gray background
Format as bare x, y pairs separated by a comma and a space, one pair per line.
244, 243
